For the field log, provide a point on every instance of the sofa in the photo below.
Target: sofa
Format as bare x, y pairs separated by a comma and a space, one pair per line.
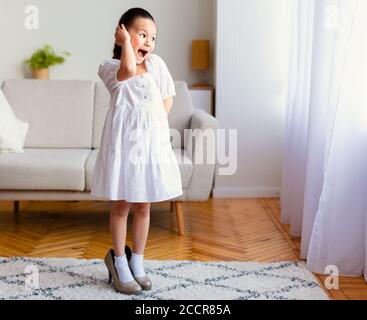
66, 119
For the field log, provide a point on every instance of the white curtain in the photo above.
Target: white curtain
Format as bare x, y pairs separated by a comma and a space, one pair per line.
324, 178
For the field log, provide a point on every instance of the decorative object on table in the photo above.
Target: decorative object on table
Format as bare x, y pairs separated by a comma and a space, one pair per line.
44, 58
203, 98
200, 60
12, 130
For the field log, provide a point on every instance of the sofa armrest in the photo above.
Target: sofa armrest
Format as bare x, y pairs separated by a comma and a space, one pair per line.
201, 146
203, 120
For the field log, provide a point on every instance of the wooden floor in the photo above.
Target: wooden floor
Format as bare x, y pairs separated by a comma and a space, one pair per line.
216, 230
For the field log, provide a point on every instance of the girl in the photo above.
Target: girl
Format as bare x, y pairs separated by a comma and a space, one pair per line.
136, 164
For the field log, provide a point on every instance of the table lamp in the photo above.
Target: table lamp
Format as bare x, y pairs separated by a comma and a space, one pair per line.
200, 60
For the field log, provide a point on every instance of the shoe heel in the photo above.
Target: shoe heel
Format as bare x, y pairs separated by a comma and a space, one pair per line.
109, 277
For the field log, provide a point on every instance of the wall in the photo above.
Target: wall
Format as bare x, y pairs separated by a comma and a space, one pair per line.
86, 29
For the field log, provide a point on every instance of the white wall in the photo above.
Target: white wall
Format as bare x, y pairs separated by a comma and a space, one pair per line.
251, 82
86, 29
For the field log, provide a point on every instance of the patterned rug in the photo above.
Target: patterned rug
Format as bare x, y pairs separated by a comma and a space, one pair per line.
56, 278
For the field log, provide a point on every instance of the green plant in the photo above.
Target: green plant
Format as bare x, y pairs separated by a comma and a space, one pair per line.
46, 57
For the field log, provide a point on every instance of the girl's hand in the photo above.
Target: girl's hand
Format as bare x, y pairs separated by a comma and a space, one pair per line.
121, 35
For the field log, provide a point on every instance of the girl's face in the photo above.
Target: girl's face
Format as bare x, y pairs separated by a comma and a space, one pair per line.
143, 34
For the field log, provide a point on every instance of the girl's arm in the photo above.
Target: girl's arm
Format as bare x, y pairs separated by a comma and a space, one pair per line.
168, 104
127, 59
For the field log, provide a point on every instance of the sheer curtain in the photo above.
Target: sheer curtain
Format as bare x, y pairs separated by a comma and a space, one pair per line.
324, 179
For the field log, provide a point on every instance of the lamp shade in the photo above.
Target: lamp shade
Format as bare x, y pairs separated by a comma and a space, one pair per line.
200, 54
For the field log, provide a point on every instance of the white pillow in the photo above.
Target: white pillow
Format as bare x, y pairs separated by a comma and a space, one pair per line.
12, 130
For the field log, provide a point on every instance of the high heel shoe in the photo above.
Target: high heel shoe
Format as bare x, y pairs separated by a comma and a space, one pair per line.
144, 282
131, 287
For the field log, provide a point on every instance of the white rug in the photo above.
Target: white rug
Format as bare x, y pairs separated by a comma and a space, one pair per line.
172, 279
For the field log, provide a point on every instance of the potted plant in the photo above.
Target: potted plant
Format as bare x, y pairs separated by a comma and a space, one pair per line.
44, 58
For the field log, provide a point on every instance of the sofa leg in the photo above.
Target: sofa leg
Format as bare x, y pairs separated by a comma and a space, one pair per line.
16, 210
180, 218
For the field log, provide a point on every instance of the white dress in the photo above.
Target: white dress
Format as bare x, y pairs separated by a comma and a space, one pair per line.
136, 162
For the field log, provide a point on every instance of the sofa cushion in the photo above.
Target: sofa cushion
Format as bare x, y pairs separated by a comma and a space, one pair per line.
59, 112
183, 159
101, 105
185, 164
178, 118
89, 168
44, 169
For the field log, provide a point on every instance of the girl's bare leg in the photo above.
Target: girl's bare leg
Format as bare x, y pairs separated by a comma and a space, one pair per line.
140, 227
118, 225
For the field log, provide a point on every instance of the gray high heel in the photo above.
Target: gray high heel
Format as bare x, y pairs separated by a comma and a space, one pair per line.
131, 287
144, 282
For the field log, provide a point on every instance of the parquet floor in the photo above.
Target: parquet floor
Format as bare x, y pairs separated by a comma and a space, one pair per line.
219, 229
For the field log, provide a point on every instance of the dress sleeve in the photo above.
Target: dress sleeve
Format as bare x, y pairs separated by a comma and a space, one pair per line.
107, 71
167, 85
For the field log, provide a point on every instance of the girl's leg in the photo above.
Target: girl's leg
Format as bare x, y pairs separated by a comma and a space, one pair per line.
118, 225
140, 231
140, 227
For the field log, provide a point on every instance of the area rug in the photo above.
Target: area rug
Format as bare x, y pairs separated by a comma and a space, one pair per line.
57, 278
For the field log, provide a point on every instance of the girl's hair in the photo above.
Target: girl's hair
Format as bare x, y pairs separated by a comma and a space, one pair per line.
127, 19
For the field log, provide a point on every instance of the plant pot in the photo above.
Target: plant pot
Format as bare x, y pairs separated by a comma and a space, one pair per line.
41, 74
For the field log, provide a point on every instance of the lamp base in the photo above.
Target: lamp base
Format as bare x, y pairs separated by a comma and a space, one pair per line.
202, 80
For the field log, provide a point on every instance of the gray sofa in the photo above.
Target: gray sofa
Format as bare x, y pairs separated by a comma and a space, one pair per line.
66, 119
